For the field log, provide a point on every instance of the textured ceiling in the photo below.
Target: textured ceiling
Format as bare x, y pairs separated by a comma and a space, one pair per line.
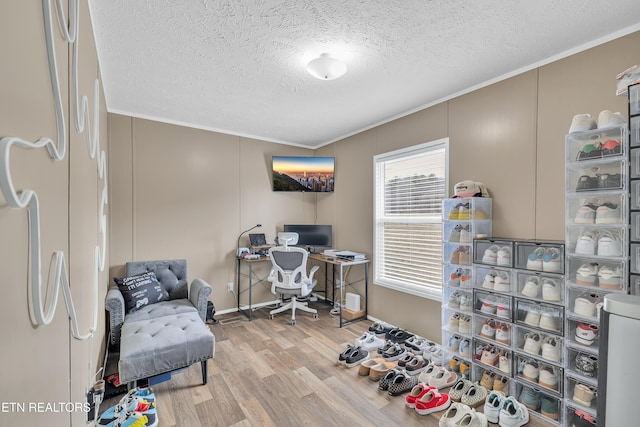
239, 66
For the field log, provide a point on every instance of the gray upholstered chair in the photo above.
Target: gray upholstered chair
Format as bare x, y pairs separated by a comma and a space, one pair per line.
165, 336
290, 276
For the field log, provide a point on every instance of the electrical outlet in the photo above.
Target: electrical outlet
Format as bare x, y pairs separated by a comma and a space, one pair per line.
230, 287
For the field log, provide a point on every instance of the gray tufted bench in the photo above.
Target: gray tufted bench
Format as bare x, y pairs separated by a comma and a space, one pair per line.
165, 336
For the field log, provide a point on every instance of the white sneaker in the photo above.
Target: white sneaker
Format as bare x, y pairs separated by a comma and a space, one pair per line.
609, 119
586, 274
502, 282
548, 378
549, 319
550, 290
464, 326
492, 406
534, 260
608, 213
551, 349
585, 304
454, 299
472, 419
609, 245
454, 322
586, 214
582, 123
586, 244
504, 256
489, 280
531, 288
503, 333
513, 413
610, 278
531, 343
503, 310
454, 414
532, 318
586, 334
454, 236
465, 234
552, 261
488, 306
466, 302
490, 255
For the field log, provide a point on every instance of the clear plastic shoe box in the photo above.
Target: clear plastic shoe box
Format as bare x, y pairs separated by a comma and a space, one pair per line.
583, 365
542, 287
539, 374
634, 131
464, 231
494, 279
589, 272
582, 334
596, 144
581, 395
492, 304
539, 402
585, 303
493, 252
491, 356
458, 299
609, 204
597, 176
457, 322
542, 316
457, 276
499, 378
545, 346
493, 330
540, 256
597, 242
457, 253
472, 208
634, 99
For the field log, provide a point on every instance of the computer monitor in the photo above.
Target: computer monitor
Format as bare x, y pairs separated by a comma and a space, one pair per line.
312, 236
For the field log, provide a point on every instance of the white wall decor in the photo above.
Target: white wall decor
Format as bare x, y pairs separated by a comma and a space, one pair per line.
28, 198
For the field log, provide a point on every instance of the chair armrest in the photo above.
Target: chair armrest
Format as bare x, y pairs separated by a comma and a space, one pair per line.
199, 295
114, 304
312, 272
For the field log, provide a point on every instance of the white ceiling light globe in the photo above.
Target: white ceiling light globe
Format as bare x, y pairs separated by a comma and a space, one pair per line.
325, 67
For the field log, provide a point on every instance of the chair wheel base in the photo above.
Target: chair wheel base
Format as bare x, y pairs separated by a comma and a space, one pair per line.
315, 315
271, 317
293, 323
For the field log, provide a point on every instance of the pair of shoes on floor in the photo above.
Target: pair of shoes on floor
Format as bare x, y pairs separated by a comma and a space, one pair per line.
137, 408
352, 356
426, 399
505, 410
459, 414
375, 368
369, 341
397, 382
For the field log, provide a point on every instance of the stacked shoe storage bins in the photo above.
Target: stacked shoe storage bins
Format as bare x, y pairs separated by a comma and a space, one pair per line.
463, 220
519, 320
634, 186
596, 234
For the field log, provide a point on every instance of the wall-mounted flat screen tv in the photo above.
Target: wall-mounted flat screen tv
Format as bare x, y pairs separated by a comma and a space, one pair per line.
299, 173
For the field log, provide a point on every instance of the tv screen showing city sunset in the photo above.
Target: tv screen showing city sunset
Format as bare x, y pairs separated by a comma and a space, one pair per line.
312, 174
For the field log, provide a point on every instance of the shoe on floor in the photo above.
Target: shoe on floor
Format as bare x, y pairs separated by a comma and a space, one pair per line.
454, 414
402, 383
513, 413
432, 401
492, 406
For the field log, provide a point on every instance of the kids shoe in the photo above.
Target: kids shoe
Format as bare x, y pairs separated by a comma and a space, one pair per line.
492, 406
549, 407
609, 244
466, 302
490, 255
489, 280
459, 389
586, 244
465, 234
611, 147
443, 379
454, 279
587, 365
610, 278
365, 367
551, 349
489, 329
453, 415
502, 282
432, 401
402, 383
513, 413
608, 213
586, 214
609, 119
548, 378
464, 326
454, 236
416, 393
130, 401
475, 396
582, 123
530, 398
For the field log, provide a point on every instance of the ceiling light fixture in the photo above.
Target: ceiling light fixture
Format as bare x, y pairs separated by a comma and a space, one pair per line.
326, 67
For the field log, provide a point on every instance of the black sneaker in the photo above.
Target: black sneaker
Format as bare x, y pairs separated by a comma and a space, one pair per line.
356, 357
587, 183
342, 358
609, 180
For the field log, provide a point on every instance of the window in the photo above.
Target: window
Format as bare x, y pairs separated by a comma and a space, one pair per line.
410, 185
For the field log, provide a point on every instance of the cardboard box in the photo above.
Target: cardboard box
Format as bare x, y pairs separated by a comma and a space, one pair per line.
350, 314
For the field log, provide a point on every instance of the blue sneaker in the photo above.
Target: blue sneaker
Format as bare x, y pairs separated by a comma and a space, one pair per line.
142, 418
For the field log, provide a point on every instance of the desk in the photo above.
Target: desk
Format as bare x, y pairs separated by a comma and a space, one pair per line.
249, 262
340, 263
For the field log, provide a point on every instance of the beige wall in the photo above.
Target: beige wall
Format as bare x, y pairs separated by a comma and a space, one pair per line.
178, 192
200, 189
509, 135
45, 363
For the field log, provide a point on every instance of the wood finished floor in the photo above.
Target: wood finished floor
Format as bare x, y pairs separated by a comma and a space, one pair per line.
270, 373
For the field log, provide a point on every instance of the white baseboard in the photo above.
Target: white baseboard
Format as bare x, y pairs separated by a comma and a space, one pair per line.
246, 307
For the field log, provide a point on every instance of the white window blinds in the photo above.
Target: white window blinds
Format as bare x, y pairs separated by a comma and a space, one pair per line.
410, 185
